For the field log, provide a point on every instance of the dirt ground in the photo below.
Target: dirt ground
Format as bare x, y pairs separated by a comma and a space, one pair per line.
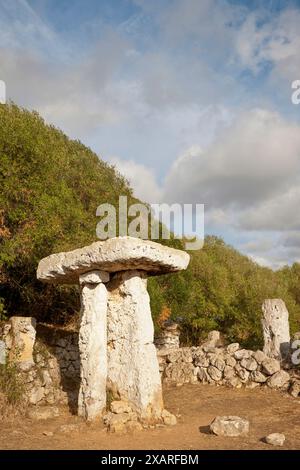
195, 405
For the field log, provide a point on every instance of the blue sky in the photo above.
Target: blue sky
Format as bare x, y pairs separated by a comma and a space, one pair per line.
190, 100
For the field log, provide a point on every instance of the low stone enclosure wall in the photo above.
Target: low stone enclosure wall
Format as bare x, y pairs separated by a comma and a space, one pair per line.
110, 368
49, 363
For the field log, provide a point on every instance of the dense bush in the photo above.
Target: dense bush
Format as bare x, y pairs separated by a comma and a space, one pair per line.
50, 187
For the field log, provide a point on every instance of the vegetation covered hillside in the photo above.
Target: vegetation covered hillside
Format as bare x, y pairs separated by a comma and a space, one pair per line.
50, 187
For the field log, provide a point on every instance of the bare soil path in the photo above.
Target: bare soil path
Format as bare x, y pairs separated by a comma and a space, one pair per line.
196, 405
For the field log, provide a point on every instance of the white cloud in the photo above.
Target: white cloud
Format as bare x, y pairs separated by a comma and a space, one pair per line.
255, 159
141, 179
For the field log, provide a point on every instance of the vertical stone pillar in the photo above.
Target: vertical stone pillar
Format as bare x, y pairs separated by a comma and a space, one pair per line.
92, 344
133, 371
20, 341
276, 330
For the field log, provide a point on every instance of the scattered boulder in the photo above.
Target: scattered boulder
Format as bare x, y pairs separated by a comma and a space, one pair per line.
231, 426
275, 439
168, 418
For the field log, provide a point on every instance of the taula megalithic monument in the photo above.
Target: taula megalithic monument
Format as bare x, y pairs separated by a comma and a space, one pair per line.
116, 330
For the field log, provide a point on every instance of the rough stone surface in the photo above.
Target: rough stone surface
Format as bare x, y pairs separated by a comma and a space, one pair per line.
249, 364
168, 337
276, 331
259, 356
120, 406
113, 255
232, 348
275, 439
295, 388
133, 370
92, 346
279, 379
20, 341
168, 418
243, 354
231, 426
270, 366
258, 376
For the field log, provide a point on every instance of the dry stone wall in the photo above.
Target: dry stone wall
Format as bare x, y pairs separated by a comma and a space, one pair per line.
53, 376
230, 366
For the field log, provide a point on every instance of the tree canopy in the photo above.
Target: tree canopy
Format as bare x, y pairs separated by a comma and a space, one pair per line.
50, 189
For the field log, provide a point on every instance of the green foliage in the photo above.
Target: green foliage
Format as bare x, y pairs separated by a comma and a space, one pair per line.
50, 189
11, 386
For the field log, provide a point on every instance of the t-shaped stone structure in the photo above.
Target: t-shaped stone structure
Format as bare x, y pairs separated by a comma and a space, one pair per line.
116, 332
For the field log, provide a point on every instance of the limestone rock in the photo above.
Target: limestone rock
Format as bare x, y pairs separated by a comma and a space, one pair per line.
120, 406
279, 379
233, 382
232, 348
276, 330
92, 346
230, 361
36, 394
295, 388
133, 371
229, 372
133, 426
180, 372
113, 255
259, 356
270, 366
168, 418
258, 376
214, 373
243, 354
275, 439
218, 362
250, 364
22, 338
213, 339
231, 426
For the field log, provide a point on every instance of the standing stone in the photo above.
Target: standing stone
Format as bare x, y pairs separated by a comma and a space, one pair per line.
92, 344
20, 341
133, 372
276, 331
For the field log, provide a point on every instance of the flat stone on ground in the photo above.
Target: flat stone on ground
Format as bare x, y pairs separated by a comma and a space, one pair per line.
230, 426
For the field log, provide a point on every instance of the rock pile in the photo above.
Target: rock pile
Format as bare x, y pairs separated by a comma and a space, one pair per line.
230, 365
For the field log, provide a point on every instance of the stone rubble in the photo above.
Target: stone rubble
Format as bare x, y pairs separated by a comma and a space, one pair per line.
231, 426
275, 439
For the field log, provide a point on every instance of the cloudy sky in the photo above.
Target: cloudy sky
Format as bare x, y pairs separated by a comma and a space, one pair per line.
191, 99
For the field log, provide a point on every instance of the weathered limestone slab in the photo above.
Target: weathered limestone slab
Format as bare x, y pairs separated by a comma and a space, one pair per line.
133, 371
112, 255
276, 330
20, 340
92, 344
